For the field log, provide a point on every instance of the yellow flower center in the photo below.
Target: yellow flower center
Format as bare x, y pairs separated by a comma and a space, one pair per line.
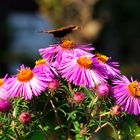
67, 44
40, 62
102, 58
25, 75
85, 62
134, 88
1, 82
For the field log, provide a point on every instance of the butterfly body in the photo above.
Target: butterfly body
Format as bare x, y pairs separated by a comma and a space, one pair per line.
62, 32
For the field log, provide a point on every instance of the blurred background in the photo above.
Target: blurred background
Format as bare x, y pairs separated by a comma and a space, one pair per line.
111, 26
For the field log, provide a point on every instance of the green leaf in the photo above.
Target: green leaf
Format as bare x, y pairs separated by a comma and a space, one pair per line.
88, 93
67, 90
18, 101
76, 125
72, 115
62, 111
46, 128
60, 126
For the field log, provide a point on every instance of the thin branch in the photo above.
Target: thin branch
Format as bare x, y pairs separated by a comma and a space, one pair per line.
104, 114
7, 135
98, 129
56, 115
38, 116
95, 100
13, 124
68, 131
18, 136
70, 87
46, 103
43, 131
90, 113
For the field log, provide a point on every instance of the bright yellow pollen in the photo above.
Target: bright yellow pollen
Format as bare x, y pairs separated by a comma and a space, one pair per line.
25, 75
1, 82
85, 62
134, 88
101, 57
67, 44
40, 62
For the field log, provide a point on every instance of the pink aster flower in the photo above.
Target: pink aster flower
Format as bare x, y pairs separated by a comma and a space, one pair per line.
127, 94
3, 88
58, 51
82, 71
111, 70
27, 83
43, 66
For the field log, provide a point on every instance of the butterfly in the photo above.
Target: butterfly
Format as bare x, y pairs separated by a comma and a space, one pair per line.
62, 32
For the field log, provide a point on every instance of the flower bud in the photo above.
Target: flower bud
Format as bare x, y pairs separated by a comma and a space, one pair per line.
78, 97
53, 85
5, 105
116, 110
102, 90
24, 118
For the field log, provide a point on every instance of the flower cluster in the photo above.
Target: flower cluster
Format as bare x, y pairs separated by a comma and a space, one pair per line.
76, 64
